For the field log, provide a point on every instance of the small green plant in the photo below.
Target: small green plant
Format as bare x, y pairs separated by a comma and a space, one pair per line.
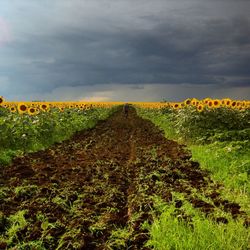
17, 222
118, 238
3, 193
61, 202
25, 191
98, 227
71, 240
3, 222
36, 245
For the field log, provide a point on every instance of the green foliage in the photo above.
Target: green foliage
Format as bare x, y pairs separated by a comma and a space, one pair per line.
226, 151
25, 133
25, 191
220, 140
3, 112
3, 193
162, 118
68, 240
171, 231
229, 164
3, 222
31, 245
211, 124
118, 238
15, 223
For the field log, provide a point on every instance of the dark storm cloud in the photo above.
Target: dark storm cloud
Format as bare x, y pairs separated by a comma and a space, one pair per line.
197, 53
204, 53
202, 47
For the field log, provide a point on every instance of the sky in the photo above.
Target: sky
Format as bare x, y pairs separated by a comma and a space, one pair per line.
124, 50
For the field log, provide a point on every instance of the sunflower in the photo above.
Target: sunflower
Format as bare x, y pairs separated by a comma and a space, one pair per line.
22, 108
13, 109
228, 102
194, 102
216, 103
206, 100
187, 101
1, 100
238, 104
44, 107
210, 104
32, 111
200, 107
176, 105
243, 104
233, 104
61, 109
167, 105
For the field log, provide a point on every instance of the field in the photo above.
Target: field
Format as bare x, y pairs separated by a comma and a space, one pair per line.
85, 176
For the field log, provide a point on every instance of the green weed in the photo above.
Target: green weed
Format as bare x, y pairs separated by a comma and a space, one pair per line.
172, 231
118, 238
25, 191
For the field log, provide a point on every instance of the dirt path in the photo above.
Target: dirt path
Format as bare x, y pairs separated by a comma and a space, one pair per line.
96, 189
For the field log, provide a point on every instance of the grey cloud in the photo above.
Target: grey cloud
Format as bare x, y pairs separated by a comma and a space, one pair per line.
76, 46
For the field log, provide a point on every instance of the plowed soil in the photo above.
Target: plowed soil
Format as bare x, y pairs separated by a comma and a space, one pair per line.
95, 190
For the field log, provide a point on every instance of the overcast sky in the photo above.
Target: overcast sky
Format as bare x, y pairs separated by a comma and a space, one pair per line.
124, 50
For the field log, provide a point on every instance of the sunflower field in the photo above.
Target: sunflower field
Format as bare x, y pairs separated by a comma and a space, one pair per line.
29, 126
32, 126
218, 134
205, 120
86, 175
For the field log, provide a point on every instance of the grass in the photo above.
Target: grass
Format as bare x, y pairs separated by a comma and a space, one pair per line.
160, 120
229, 165
172, 232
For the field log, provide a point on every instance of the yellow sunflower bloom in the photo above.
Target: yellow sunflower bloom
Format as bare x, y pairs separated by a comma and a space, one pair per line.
32, 111
194, 102
200, 107
13, 109
238, 104
22, 108
228, 103
216, 103
44, 107
187, 101
206, 100
176, 105
210, 104
233, 104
